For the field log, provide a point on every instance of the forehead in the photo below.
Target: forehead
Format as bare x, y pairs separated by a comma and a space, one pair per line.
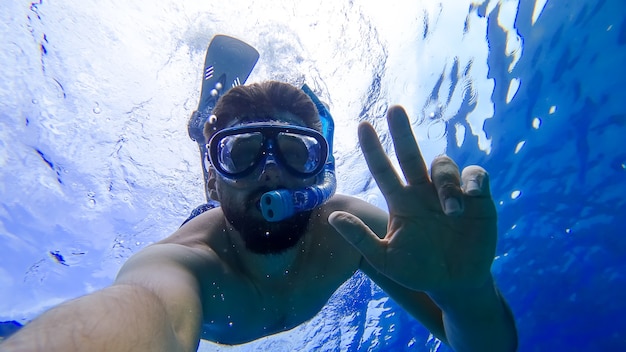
279, 118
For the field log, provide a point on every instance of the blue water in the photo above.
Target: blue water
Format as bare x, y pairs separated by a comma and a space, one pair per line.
564, 272
95, 161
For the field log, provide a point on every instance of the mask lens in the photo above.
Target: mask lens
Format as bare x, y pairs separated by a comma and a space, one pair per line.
300, 152
240, 152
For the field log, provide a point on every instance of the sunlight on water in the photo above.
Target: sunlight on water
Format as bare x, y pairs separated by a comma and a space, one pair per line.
513, 87
539, 6
96, 161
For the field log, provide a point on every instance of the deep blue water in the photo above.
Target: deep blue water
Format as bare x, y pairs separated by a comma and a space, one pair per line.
562, 249
564, 273
561, 254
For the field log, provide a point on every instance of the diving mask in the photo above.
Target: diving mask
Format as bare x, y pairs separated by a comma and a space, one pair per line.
236, 152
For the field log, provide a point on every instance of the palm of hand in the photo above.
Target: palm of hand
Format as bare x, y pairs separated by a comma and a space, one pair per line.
433, 243
427, 250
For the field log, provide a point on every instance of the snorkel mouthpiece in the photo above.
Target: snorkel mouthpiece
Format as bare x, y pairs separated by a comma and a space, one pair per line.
277, 205
281, 204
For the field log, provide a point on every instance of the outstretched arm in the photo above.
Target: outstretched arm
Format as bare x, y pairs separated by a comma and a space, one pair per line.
440, 240
154, 305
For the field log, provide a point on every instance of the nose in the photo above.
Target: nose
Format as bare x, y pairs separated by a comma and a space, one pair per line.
271, 173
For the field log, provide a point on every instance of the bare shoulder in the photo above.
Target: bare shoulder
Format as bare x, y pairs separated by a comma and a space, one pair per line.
164, 255
190, 251
205, 231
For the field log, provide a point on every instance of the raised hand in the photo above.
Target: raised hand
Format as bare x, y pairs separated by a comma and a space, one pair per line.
441, 234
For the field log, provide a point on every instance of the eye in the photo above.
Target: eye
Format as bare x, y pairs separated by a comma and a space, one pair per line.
300, 152
241, 149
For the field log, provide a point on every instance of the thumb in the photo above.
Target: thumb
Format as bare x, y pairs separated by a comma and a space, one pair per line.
359, 235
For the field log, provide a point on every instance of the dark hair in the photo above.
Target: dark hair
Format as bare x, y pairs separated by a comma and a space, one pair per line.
260, 100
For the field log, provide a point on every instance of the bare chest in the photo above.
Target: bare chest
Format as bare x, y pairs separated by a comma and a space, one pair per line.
243, 310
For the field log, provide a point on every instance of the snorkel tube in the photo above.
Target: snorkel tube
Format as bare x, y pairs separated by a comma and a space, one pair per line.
281, 204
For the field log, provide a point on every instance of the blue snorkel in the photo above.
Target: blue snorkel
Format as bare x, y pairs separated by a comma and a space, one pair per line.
283, 203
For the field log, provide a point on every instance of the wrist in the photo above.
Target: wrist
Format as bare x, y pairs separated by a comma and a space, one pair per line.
477, 318
472, 297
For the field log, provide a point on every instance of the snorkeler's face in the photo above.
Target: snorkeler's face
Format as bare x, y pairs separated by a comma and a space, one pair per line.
240, 203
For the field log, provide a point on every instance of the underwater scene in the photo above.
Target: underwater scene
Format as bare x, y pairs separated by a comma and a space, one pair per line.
96, 162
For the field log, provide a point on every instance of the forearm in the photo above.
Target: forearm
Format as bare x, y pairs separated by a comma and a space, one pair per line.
118, 318
477, 320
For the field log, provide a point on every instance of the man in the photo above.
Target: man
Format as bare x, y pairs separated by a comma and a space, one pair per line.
230, 276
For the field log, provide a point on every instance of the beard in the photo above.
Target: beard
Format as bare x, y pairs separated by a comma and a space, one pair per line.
262, 236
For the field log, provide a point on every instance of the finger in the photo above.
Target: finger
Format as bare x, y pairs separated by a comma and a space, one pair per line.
360, 236
405, 144
377, 161
478, 194
447, 180
475, 181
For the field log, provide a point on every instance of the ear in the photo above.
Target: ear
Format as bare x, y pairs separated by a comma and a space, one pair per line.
210, 185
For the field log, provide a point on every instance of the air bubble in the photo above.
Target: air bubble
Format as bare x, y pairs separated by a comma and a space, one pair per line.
91, 201
536, 122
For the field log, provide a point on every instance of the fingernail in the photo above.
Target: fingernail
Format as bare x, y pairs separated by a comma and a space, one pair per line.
473, 187
452, 207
